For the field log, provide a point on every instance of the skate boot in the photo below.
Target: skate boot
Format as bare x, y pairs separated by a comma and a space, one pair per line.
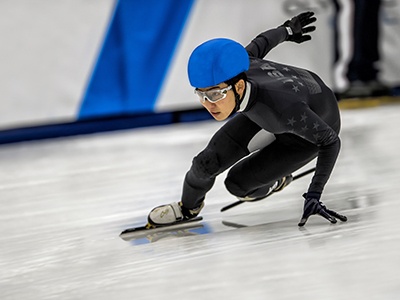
282, 183
277, 187
170, 214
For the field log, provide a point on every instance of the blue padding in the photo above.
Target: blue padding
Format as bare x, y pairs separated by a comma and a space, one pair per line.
101, 125
135, 57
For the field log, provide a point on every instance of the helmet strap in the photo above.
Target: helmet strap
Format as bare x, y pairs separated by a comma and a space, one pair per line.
238, 101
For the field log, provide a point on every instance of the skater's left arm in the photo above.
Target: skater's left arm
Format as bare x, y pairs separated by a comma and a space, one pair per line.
302, 121
293, 30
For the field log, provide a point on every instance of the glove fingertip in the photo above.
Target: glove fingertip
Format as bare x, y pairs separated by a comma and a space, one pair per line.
303, 39
309, 29
302, 222
308, 14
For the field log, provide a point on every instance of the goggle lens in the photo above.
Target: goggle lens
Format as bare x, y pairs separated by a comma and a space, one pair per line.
213, 95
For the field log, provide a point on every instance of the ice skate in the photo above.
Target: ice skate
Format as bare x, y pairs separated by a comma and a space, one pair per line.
282, 183
170, 214
277, 187
168, 218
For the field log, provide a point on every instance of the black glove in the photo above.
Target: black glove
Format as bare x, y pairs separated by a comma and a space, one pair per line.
313, 206
297, 27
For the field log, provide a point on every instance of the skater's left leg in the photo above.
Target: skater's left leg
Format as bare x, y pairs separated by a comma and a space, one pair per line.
257, 175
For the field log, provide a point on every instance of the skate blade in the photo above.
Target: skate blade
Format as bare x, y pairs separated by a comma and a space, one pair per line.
150, 230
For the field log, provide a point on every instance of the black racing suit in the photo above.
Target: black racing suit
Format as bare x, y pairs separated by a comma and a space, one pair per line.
294, 106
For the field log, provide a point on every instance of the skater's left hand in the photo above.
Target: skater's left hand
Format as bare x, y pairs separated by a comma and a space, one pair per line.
298, 27
313, 206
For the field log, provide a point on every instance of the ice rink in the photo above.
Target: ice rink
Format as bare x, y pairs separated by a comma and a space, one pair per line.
65, 201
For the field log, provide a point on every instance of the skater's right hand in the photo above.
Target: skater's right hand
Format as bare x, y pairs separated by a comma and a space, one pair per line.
313, 206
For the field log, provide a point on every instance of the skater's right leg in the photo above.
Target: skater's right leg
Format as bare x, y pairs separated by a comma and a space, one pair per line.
226, 147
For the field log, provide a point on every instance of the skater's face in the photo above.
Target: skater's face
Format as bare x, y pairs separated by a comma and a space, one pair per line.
219, 100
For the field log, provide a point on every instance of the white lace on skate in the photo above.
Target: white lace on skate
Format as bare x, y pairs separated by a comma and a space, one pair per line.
247, 198
166, 214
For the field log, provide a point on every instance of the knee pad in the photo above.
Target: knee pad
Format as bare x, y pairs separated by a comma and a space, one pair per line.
233, 187
206, 164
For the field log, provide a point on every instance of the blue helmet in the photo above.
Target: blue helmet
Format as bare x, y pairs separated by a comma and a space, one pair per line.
216, 61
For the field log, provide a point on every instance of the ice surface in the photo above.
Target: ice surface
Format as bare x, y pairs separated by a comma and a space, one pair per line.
65, 201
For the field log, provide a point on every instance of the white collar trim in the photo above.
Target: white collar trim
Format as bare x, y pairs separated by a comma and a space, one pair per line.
246, 97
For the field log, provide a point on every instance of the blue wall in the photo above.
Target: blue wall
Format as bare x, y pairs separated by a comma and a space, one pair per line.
135, 57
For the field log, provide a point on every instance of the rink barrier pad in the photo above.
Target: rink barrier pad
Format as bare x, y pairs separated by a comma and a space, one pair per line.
124, 122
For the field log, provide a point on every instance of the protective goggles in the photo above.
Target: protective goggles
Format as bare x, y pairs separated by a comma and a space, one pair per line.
213, 95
